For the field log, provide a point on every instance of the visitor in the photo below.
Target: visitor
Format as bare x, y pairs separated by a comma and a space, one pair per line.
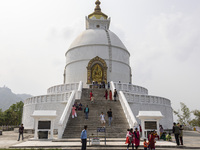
115, 95
130, 138
91, 94
92, 99
140, 130
21, 131
106, 94
176, 132
84, 138
110, 95
108, 85
86, 111
137, 138
181, 134
109, 116
152, 141
146, 144
161, 130
74, 111
169, 137
80, 106
76, 105
102, 119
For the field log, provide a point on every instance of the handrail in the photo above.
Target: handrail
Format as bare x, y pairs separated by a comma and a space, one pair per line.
65, 116
79, 91
126, 108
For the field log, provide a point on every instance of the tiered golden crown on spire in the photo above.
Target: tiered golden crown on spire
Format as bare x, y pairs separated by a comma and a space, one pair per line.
97, 12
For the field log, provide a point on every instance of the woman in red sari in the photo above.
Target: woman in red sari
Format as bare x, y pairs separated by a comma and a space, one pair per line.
91, 95
152, 141
106, 94
110, 95
137, 138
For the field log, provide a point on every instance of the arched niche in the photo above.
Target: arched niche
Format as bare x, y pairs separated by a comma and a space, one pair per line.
97, 70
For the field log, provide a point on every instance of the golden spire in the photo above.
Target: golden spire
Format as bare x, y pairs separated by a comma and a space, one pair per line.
97, 12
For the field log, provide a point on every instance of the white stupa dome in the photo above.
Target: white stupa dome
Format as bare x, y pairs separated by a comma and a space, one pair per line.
97, 37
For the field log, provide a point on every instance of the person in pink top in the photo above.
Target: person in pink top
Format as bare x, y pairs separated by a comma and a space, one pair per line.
74, 112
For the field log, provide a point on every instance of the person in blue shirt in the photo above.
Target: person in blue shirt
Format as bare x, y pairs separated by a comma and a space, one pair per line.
84, 138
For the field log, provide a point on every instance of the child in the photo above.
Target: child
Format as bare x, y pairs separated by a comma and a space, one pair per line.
169, 137
92, 99
145, 144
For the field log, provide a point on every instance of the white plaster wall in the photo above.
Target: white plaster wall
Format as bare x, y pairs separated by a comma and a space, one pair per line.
91, 51
166, 111
77, 71
28, 121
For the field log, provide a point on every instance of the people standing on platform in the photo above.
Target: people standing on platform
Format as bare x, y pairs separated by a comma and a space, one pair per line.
109, 117
86, 111
84, 138
74, 111
146, 144
181, 134
91, 94
110, 95
137, 138
102, 119
176, 132
115, 95
161, 130
140, 128
21, 131
106, 94
108, 85
152, 141
130, 138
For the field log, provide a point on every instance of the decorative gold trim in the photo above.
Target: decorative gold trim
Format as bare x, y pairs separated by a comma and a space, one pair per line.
92, 62
97, 12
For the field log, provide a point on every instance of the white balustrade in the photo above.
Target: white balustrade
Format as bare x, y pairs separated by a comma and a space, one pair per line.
62, 88
146, 99
55, 96
65, 116
126, 108
48, 98
126, 87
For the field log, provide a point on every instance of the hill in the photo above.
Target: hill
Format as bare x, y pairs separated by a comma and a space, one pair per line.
7, 98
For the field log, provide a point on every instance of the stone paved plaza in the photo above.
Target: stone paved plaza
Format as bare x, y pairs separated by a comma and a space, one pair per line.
9, 140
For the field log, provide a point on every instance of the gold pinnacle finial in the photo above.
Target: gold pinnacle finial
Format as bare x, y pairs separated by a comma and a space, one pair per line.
97, 12
97, 8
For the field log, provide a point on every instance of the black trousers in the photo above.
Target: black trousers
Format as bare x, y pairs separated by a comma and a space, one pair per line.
181, 140
177, 139
19, 136
84, 144
129, 145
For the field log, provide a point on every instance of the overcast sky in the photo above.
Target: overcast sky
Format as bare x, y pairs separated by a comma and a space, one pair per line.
163, 37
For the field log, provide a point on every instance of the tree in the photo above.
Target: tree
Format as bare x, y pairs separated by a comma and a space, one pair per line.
13, 115
184, 115
196, 121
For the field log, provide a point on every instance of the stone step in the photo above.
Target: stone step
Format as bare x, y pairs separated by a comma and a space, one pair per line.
119, 122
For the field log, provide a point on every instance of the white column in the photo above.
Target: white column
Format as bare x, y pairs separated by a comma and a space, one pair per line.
36, 128
158, 131
52, 128
143, 128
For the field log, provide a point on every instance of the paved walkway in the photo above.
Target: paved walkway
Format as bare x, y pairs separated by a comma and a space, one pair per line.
9, 139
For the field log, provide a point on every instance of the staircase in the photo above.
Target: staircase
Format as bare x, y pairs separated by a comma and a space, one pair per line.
119, 123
